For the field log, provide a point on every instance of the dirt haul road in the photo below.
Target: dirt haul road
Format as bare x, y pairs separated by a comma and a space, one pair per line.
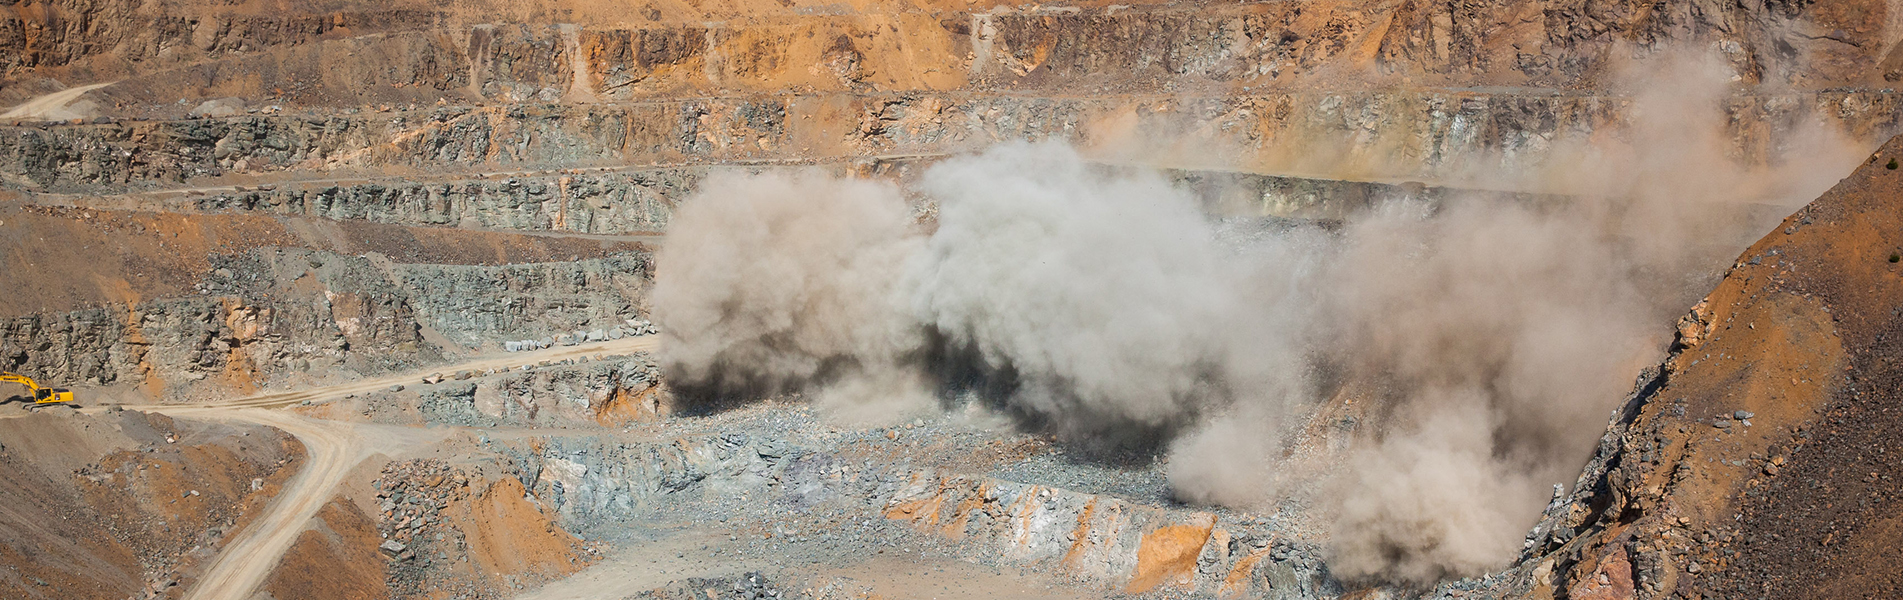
43, 106
334, 448
622, 346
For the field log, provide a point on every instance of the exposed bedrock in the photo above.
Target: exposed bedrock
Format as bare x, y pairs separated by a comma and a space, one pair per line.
182, 304
174, 346
635, 202
610, 392
564, 50
272, 314
1758, 459
250, 325
642, 201
472, 304
1383, 135
596, 487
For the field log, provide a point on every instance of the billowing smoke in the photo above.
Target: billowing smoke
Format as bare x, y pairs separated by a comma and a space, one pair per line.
1458, 356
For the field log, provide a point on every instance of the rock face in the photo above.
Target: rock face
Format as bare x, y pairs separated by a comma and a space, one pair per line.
225, 342
1760, 459
516, 52
606, 392
1398, 134
1411, 87
235, 304
445, 530
472, 304
313, 313
1128, 546
623, 203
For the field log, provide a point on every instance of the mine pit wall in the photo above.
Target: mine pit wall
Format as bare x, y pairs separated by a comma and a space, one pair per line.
236, 336
642, 201
610, 392
280, 315
63, 32
639, 202
477, 53
1129, 546
596, 487
1333, 135
1686, 497
471, 304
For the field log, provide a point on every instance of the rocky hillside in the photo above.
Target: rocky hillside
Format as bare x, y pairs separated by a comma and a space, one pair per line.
1761, 459
180, 305
461, 123
379, 216
1399, 87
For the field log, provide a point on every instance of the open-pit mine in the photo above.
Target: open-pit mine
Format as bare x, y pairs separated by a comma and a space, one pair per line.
935, 299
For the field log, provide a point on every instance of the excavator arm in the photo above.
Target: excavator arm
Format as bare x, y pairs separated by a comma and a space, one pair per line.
41, 395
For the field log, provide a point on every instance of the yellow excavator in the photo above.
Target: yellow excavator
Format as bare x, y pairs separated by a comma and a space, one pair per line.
42, 396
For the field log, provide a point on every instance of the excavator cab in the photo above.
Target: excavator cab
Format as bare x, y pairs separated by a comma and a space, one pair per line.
42, 396
51, 395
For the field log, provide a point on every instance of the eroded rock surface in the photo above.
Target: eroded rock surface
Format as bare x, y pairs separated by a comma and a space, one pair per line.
1757, 460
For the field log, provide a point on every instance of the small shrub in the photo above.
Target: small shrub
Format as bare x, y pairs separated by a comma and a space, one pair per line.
1891, 166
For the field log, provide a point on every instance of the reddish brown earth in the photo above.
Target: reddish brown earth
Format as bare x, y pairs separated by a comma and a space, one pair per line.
336, 559
459, 533
105, 506
512, 534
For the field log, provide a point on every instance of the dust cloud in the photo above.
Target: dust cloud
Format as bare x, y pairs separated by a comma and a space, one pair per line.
1468, 348
1107, 295
780, 282
1503, 334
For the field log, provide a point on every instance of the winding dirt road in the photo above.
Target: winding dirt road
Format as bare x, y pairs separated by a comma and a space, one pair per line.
334, 448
